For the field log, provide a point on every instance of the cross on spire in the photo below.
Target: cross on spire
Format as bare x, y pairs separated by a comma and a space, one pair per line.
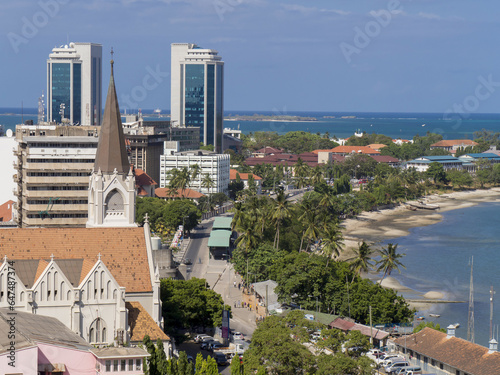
99, 256
112, 53
51, 256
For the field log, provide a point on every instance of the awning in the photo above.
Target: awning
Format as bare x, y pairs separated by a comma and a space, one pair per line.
219, 238
222, 223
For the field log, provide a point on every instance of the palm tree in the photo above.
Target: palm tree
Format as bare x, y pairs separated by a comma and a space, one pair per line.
282, 211
301, 170
195, 171
317, 175
309, 219
333, 241
390, 260
208, 184
361, 262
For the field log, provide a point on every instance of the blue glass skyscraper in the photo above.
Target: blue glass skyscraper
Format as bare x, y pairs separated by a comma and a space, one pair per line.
197, 91
74, 84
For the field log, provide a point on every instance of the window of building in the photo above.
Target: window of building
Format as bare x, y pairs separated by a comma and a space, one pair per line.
123, 365
115, 365
138, 364
108, 366
130, 364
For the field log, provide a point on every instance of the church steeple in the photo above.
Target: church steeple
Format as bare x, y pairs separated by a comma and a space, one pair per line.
111, 150
112, 183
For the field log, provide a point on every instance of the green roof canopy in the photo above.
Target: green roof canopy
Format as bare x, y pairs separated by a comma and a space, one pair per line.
219, 238
222, 223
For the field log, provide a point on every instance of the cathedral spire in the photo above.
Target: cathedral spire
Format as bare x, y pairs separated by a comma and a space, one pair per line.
111, 151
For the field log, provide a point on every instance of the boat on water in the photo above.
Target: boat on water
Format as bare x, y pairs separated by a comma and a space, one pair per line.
420, 318
434, 315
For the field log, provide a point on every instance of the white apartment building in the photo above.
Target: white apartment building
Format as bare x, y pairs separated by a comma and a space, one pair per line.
74, 84
217, 166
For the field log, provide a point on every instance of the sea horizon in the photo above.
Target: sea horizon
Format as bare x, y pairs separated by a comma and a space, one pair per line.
397, 125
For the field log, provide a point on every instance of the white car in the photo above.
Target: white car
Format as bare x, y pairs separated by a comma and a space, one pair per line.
238, 336
199, 338
394, 367
384, 361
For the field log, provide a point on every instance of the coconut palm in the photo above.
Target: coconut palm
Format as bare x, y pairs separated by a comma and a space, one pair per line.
317, 175
195, 171
282, 211
332, 241
309, 219
362, 261
390, 260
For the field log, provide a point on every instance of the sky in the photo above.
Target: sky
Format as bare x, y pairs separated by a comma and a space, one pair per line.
336, 55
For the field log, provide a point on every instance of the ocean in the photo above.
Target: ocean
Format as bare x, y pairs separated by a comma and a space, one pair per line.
438, 258
395, 125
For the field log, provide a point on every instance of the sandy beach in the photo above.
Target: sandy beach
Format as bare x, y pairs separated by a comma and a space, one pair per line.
376, 226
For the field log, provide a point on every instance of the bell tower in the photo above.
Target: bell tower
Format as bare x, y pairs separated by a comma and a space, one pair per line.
112, 183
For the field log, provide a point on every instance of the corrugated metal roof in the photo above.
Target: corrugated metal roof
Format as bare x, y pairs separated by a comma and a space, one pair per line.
219, 238
222, 223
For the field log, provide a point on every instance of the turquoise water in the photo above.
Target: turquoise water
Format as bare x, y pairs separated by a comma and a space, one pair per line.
395, 125
438, 257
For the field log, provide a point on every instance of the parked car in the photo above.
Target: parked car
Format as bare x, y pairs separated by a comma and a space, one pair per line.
382, 360
220, 358
413, 370
215, 345
395, 366
238, 336
205, 344
199, 338
187, 261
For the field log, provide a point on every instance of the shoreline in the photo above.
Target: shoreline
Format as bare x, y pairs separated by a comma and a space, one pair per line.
377, 226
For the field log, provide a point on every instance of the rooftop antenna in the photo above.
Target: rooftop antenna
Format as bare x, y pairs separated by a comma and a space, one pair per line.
470, 322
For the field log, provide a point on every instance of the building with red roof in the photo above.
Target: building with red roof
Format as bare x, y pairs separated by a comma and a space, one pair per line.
145, 185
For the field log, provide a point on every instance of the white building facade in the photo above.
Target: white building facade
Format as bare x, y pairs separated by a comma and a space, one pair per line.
74, 84
197, 91
216, 166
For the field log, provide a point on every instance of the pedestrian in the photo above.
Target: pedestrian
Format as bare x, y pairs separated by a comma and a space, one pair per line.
234, 284
234, 304
242, 304
239, 286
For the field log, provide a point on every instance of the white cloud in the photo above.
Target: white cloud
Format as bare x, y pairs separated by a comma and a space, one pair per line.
429, 16
307, 10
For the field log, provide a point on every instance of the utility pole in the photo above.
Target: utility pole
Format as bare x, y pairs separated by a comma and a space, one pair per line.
470, 322
371, 328
491, 311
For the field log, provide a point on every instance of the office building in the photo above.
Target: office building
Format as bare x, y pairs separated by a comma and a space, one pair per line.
74, 84
197, 91
216, 166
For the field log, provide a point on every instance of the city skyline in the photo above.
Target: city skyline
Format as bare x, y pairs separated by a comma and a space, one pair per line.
382, 56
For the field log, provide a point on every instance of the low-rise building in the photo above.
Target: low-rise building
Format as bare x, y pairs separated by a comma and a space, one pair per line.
44, 345
421, 164
444, 354
216, 166
233, 176
378, 336
452, 145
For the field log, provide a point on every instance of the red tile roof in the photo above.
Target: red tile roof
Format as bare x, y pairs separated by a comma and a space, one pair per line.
123, 250
186, 193
455, 352
342, 324
354, 150
384, 159
143, 179
377, 146
454, 142
142, 324
269, 150
6, 211
346, 325
243, 176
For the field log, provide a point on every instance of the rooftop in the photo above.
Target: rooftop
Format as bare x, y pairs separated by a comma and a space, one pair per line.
141, 324
123, 250
454, 142
458, 353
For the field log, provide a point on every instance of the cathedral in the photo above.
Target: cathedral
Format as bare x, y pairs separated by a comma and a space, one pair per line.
99, 281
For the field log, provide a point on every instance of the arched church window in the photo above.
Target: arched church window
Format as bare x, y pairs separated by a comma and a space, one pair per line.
114, 203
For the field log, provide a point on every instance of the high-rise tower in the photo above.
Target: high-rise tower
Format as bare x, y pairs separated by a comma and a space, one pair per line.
74, 84
197, 91
112, 183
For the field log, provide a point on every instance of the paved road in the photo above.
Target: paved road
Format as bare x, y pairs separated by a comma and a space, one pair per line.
220, 276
